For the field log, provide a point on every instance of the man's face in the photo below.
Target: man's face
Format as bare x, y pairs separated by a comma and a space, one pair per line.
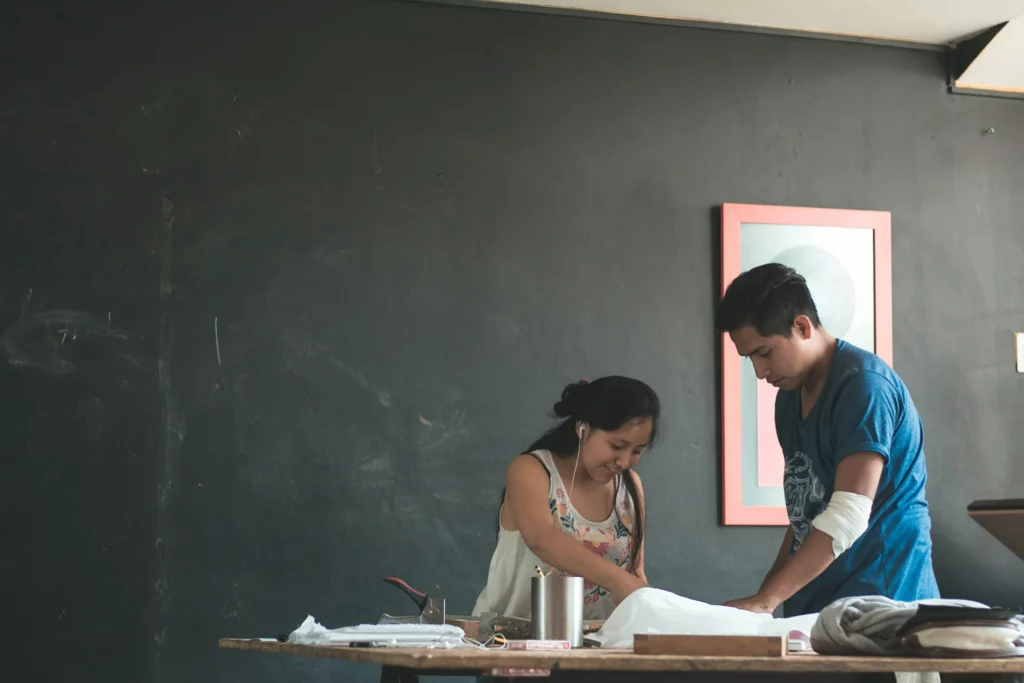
781, 361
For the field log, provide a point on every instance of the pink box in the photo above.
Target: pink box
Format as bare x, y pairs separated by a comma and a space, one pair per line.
538, 645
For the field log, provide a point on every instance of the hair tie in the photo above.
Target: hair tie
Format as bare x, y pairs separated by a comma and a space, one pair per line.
584, 381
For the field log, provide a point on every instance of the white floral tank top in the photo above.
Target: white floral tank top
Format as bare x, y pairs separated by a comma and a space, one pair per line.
508, 580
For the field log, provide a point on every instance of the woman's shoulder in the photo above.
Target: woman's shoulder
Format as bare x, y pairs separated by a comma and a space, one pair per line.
530, 463
544, 457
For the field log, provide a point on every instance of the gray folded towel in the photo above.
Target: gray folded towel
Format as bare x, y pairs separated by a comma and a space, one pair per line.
868, 625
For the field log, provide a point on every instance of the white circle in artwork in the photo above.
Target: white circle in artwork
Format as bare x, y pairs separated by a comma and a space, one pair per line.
830, 285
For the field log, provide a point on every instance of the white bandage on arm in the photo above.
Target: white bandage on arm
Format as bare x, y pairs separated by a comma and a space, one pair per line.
845, 519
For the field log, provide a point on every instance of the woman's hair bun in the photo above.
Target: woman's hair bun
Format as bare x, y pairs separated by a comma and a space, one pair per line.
572, 396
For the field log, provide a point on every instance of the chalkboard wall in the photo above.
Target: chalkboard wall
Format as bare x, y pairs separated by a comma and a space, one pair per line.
283, 288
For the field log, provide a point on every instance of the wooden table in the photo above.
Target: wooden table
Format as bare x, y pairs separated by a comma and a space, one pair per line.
405, 665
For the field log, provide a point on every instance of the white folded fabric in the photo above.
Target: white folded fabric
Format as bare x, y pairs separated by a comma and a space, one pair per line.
969, 638
310, 632
650, 610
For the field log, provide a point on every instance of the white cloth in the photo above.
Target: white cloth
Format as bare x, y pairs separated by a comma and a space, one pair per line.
310, 632
844, 520
969, 638
650, 610
513, 564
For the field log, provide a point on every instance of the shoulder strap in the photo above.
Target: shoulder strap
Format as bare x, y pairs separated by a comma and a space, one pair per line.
542, 463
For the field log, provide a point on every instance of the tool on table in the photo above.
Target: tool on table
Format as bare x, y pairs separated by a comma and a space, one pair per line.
432, 610
494, 624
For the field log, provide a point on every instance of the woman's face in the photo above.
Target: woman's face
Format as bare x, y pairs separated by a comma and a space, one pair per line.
604, 454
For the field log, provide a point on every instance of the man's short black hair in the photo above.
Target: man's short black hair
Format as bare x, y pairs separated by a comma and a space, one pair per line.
768, 298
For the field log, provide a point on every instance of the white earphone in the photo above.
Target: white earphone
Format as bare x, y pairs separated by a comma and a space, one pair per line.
579, 432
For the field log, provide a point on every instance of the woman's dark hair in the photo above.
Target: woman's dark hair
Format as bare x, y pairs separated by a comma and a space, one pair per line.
607, 404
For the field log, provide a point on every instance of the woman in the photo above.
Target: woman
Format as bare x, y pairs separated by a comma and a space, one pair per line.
580, 470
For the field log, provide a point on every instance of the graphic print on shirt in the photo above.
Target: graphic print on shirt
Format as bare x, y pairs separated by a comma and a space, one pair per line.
805, 495
612, 543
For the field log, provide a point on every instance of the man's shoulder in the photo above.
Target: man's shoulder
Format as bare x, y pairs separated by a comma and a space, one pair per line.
857, 368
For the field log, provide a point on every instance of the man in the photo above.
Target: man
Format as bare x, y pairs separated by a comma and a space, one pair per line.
852, 439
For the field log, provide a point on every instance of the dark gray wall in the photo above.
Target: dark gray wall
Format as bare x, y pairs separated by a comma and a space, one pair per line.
284, 290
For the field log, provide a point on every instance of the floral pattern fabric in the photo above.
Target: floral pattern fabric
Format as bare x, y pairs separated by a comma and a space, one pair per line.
610, 539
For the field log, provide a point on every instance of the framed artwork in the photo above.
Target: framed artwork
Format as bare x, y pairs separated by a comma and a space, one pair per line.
846, 259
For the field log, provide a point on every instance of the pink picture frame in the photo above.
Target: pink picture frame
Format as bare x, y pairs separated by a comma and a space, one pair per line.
751, 479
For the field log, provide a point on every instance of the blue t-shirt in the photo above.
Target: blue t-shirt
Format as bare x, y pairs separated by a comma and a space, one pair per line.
863, 406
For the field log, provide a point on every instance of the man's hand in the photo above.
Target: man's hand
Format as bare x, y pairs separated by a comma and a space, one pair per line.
760, 604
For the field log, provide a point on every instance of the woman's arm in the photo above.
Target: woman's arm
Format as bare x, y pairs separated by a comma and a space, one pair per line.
526, 496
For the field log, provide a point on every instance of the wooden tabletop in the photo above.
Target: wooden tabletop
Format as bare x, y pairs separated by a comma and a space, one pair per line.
622, 660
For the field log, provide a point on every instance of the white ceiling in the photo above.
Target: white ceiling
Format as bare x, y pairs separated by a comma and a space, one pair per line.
998, 69
1000, 66
935, 22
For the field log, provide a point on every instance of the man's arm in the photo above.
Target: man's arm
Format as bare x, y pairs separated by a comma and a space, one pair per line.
858, 473
867, 408
780, 559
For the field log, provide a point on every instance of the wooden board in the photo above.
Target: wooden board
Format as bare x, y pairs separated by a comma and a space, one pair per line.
711, 646
470, 626
471, 660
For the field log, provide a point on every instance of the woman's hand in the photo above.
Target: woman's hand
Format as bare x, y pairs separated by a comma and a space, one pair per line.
625, 586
